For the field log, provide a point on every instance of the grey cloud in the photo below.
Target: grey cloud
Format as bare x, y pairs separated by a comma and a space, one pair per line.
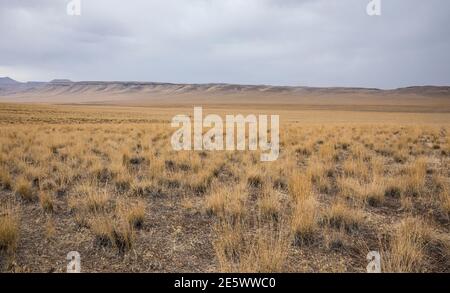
304, 42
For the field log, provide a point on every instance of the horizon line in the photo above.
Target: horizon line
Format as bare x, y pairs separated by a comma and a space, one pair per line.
67, 80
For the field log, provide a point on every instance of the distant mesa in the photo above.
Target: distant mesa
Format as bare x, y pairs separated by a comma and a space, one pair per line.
65, 91
8, 81
61, 81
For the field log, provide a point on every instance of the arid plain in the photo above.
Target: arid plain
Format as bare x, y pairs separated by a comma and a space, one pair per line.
90, 168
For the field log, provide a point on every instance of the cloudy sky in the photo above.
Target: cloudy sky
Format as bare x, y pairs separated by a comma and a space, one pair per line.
279, 42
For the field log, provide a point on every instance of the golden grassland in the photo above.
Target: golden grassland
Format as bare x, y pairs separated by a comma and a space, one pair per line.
105, 181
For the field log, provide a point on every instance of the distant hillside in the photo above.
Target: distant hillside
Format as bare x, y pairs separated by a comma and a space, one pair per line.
8, 81
151, 93
61, 81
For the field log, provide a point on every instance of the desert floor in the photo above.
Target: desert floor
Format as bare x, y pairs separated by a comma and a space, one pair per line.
104, 181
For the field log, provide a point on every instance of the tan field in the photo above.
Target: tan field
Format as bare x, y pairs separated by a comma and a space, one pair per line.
103, 180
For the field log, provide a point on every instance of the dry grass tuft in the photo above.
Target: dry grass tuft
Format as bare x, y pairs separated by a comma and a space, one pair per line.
5, 179
46, 200
268, 254
445, 199
123, 236
372, 192
320, 174
357, 169
265, 252
300, 186
340, 216
103, 229
24, 189
9, 230
50, 229
123, 181
228, 244
109, 232
414, 178
269, 204
304, 221
132, 213
255, 180
407, 246
90, 199
335, 240
226, 201
305, 208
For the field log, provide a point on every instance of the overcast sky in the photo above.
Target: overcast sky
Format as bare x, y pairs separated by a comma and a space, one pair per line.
279, 42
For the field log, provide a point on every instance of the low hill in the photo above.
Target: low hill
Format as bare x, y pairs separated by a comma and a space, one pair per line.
426, 98
8, 81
